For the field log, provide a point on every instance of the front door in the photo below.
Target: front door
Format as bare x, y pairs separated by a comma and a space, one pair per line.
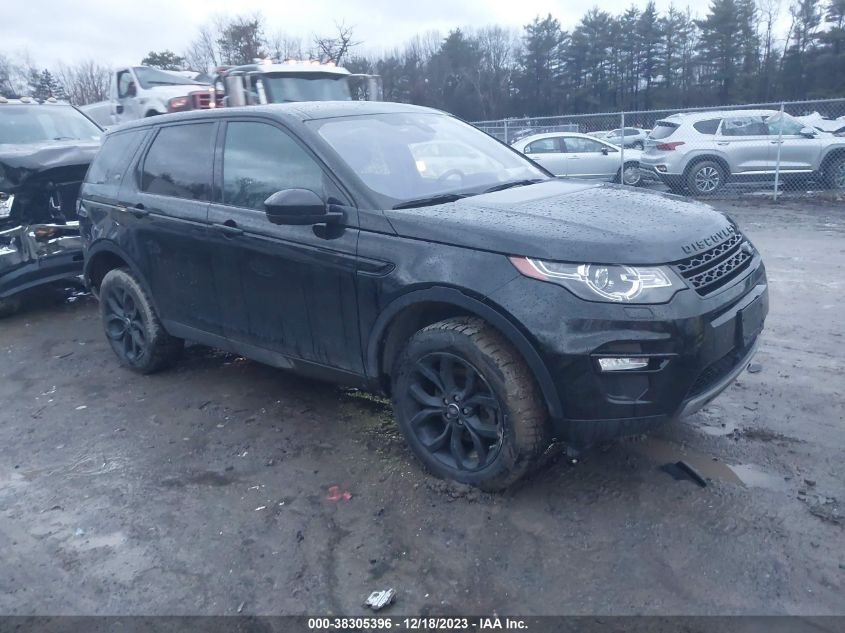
285, 289
798, 153
589, 158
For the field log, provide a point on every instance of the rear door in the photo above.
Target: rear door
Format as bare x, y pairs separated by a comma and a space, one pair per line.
589, 158
284, 289
746, 144
167, 205
548, 152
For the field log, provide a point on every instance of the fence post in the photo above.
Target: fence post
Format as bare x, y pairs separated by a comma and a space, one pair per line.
777, 161
506, 132
622, 149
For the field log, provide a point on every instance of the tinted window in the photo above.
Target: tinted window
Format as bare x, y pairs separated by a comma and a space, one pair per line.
631, 131
179, 162
707, 127
114, 157
575, 144
663, 129
543, 146
744, 126
259, 160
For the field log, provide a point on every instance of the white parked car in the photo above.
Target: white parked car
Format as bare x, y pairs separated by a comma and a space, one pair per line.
572, 155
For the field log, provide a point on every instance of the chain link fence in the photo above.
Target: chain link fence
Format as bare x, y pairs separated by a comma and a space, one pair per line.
752, 149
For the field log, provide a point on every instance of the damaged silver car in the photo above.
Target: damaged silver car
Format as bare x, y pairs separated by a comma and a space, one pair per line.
45, 150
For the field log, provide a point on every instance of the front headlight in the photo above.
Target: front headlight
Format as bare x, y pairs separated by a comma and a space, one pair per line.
6, 202
606, 282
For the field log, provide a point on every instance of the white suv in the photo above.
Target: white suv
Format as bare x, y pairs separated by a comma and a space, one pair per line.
699, 152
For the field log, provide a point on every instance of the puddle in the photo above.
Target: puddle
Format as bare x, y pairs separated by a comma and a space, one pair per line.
746, 475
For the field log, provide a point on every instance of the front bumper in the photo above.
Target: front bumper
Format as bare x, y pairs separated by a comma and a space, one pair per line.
38, 254
696, 346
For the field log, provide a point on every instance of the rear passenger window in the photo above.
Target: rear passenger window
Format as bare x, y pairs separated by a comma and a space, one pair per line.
179, 162
543, 146
707, 127
744, 126
113, 158
259, 160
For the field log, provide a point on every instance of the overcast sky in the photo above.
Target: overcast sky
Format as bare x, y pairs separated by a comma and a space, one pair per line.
118, 32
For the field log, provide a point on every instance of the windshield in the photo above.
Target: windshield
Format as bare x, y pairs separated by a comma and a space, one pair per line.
410, 156
149, 77
37, 123
306, 87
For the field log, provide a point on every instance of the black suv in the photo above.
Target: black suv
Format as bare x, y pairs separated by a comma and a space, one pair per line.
396, 248
45, 150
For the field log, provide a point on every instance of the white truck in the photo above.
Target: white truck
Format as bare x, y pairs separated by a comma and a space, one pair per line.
141, 91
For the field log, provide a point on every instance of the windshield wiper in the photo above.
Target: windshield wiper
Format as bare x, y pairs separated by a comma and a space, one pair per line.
513, 183
427, 202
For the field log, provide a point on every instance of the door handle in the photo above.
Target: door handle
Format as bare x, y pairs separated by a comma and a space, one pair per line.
776, 142
723, 142
228, 228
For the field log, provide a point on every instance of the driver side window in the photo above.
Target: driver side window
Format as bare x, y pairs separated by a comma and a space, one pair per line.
260, 159
123, 80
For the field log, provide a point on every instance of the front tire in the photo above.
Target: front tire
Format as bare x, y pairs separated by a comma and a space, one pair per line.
834, 173
706, 178
132, 327
9, 306
468, 405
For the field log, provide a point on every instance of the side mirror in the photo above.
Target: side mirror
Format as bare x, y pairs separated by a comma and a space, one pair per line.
605, 150
119, 109
808, 132
300, 207
131, 90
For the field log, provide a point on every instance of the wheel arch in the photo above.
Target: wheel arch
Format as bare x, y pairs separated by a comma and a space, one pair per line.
104, 256
705, 157
831, 155
419, 308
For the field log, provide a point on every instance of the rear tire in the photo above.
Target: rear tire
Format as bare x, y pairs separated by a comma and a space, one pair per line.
9, 306
632, 175
706, 178
132, 327
468, 405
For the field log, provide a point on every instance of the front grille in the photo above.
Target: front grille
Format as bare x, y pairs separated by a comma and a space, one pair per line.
202, 99
710, 270
714, 372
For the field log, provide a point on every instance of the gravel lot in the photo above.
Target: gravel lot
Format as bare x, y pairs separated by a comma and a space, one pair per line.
209, 488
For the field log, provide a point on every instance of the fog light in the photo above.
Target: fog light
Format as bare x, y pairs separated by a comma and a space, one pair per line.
622, 364
661, 168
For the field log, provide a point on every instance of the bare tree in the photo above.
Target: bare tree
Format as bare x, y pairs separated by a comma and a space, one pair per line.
85, 82
282, 46
334, 49
202, 53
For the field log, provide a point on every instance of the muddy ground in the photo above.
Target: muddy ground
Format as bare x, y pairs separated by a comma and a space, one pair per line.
208, 489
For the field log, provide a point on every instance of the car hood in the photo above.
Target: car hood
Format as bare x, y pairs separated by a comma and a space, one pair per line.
571, 221
19, 163
181, 90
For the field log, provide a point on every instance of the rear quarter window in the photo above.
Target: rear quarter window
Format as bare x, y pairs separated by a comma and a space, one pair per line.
114, 157
707, 127
663, 129
179, 162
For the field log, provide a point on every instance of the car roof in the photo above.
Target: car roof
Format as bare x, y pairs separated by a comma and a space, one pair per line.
301, 111
540, 137
33, 102
694, 117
